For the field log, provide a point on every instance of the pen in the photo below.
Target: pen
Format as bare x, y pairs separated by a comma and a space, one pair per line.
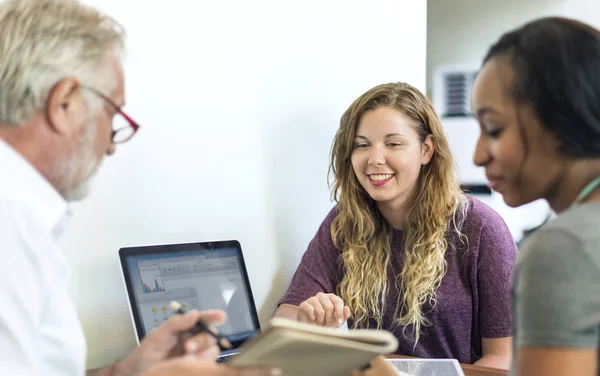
201, 327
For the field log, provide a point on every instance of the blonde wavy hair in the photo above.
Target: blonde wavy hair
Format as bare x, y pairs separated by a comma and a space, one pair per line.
365, 237
45, 41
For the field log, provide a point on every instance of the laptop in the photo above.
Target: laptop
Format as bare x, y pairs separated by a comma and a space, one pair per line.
205, 275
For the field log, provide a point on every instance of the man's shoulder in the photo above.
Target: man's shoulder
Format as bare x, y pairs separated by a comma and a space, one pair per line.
17, 216
22, 233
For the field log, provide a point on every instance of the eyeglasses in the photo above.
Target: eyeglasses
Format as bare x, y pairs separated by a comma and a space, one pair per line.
124, 127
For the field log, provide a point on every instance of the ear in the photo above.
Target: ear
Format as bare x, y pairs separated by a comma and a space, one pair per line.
427, 149
66, 110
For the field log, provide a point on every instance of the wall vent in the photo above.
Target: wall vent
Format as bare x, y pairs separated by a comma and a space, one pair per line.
452, 91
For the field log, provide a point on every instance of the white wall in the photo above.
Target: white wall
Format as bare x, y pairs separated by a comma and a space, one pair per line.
238, 103
583, 10
461, 31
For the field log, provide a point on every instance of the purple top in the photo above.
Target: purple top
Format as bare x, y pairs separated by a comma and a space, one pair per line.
473, 299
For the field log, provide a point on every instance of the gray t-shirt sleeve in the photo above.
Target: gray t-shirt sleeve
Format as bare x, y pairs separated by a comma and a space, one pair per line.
557, 292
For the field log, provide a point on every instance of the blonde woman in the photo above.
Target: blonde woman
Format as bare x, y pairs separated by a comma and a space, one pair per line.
404, 249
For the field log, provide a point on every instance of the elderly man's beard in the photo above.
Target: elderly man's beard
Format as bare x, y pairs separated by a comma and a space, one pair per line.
76, 171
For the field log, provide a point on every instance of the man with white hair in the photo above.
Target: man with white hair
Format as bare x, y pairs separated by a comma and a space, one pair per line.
61, 95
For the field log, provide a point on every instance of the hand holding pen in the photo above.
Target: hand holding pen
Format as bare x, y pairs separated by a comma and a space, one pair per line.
200, 327
170, 340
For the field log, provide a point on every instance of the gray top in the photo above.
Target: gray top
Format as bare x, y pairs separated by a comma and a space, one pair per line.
556, 292
473, 299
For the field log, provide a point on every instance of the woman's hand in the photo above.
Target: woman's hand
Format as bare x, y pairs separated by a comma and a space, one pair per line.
324, 310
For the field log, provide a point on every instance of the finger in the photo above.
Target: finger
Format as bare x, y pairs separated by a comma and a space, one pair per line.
313, 305
199, 343
338, 307
346, 313
210, 353
180, 323
319, 310
306, 313
213, 317
328, 307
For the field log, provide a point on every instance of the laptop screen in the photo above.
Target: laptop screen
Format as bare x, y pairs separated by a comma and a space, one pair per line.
197, 275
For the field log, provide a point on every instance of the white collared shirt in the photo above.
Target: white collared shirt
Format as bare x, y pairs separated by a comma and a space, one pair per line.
40, 333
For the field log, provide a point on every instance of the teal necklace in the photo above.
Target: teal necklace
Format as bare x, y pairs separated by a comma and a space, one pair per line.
587, 191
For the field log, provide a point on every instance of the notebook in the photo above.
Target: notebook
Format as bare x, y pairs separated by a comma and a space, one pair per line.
205, 275
300, 349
